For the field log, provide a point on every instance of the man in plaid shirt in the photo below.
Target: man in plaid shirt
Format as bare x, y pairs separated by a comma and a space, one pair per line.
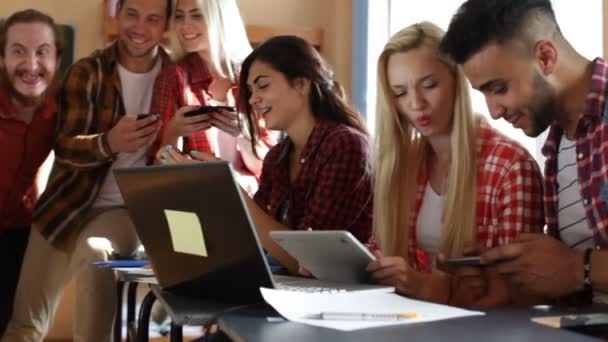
515, 54
81, 218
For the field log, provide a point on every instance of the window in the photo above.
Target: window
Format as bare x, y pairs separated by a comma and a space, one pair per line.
397, 14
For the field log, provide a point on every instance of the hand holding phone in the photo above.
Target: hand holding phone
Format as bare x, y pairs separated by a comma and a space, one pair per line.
142, 116
464, 261
208, 109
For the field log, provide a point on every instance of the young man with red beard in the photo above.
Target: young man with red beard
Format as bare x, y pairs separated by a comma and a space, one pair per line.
81, 218
30, 49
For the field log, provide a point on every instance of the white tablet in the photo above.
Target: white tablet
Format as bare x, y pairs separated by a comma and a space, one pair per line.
331, 255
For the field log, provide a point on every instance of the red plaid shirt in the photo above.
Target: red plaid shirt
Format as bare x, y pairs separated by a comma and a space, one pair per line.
184, 83
23, 148
509, 195
592, 159
333, 189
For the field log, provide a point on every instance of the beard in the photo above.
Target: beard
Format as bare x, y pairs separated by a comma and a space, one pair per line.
7, 84
543, 106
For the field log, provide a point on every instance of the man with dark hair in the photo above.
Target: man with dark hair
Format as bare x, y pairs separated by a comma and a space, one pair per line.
81, 218
168, 12
515, 54
30, 49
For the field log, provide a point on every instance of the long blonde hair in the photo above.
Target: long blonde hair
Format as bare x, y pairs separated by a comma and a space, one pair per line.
401, 154
228, 42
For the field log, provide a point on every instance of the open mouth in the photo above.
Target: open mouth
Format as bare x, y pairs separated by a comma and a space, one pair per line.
30, 79
263, 112
137, 39
190, 36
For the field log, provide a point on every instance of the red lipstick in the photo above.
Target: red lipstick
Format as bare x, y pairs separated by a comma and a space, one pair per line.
423, 120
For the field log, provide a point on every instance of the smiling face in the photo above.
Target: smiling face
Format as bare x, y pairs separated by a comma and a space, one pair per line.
274, 98
141, 24
513, 87
30, 61
423, 89
190, 26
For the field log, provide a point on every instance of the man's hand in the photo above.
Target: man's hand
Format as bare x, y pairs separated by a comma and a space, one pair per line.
538, 264
476, 286
130, 134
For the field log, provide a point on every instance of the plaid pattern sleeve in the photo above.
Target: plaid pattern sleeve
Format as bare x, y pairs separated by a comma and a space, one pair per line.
174, 89
519, 197
262, 196
78, 144
342, 195
591, 162
166, 99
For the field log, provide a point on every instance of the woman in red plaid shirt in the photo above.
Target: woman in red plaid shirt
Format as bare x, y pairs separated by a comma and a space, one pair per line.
212, 35
445, 179
319, 176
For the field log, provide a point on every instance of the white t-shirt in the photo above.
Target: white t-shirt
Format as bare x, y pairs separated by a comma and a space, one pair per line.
571, 216
136, 95
429, 223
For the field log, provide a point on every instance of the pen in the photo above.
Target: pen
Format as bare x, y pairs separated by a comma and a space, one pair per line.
363, 316
122, 263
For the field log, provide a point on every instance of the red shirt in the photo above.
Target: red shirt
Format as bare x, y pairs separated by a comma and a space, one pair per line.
184, 83
187, 83
333, 189
23, 148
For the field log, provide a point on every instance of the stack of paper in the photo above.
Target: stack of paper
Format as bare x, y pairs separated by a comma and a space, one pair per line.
300, 307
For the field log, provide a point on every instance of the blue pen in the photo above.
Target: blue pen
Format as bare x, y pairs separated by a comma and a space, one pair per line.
122, 263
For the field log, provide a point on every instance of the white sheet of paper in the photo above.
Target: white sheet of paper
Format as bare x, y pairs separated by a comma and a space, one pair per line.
138, 271
297, 306
186, 232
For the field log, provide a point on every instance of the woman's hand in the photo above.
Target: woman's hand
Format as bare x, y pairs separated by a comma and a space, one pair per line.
181, 126
168, 155
227, 121
394, 271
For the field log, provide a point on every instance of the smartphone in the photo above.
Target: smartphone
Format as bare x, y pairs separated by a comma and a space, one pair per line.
141, 116
464, 261
208, 109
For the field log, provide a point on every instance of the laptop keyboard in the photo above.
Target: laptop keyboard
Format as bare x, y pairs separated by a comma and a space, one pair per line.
310, 285
308, 289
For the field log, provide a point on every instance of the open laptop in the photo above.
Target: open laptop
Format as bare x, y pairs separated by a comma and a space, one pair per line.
197, 232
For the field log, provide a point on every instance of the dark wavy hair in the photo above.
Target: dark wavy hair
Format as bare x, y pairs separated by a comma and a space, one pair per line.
295, 58
30, 16
168, 13
478, 23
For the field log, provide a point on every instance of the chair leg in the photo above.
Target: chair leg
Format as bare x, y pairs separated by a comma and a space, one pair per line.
176, 333
118, 321
131, 304
143, 322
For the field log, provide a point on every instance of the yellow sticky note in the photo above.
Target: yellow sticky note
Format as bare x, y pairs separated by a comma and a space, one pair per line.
186, 232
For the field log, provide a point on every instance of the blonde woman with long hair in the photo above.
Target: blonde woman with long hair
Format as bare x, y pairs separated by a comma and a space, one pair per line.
444, 178
210, 37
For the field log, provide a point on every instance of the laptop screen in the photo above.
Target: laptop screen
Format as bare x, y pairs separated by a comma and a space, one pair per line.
194, 225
